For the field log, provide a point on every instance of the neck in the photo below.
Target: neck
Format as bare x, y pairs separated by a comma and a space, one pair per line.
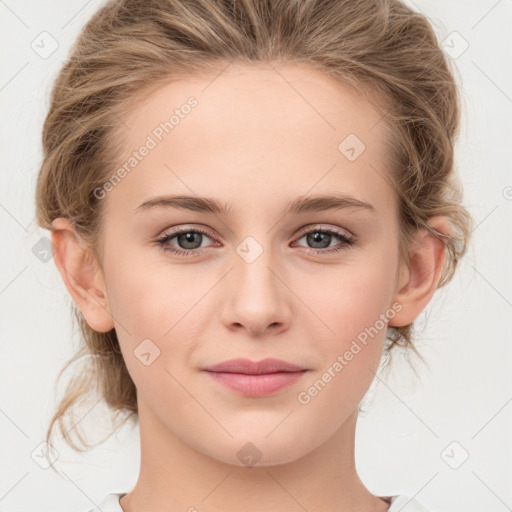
173, 476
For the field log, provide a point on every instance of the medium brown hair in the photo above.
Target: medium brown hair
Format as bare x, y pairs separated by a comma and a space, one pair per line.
130, 48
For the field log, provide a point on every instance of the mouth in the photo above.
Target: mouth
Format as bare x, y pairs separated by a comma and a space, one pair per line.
260, 378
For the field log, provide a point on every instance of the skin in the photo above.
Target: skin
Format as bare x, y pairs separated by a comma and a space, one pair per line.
255, 141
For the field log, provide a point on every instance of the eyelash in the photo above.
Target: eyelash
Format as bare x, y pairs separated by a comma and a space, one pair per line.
347, 241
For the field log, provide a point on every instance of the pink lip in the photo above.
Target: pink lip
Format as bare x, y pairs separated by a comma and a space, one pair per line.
258, 378
249, 367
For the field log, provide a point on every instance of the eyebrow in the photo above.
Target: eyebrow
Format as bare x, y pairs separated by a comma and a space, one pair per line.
316, 203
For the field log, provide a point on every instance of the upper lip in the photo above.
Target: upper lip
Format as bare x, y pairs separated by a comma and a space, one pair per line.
269, 365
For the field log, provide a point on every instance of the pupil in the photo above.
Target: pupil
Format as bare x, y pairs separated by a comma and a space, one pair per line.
188, 238
321, 238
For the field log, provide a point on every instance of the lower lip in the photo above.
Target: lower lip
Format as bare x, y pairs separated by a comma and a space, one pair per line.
257, 385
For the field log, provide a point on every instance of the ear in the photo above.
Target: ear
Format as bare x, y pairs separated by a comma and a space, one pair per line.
81, 275
419, 279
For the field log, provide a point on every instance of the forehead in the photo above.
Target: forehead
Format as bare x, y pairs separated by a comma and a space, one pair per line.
244, 97
253, 129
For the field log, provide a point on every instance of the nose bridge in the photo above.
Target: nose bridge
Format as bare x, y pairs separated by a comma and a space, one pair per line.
257, 297
253, 262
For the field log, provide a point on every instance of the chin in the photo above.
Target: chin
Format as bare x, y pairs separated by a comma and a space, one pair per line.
260, 452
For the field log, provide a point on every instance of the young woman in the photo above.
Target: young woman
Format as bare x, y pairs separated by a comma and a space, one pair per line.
250, 201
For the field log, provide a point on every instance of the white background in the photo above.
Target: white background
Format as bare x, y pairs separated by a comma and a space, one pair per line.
466, 394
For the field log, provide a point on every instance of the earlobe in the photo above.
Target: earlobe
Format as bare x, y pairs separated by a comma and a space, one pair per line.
81, 275
419, 280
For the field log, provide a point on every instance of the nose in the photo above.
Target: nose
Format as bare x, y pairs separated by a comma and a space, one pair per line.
257, 298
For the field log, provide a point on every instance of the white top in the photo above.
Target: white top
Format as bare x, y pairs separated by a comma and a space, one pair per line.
398, 503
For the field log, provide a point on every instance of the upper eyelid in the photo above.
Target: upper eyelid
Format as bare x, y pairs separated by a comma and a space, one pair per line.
301, 233
322, 227
177, 231
306, 229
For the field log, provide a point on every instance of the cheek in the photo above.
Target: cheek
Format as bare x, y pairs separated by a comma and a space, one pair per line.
144, 309
149, 299
351, 300
354, 308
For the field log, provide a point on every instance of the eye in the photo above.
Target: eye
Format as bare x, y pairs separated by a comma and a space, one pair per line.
188, 239
322, 238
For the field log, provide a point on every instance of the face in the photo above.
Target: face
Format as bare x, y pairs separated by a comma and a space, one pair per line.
261, 276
